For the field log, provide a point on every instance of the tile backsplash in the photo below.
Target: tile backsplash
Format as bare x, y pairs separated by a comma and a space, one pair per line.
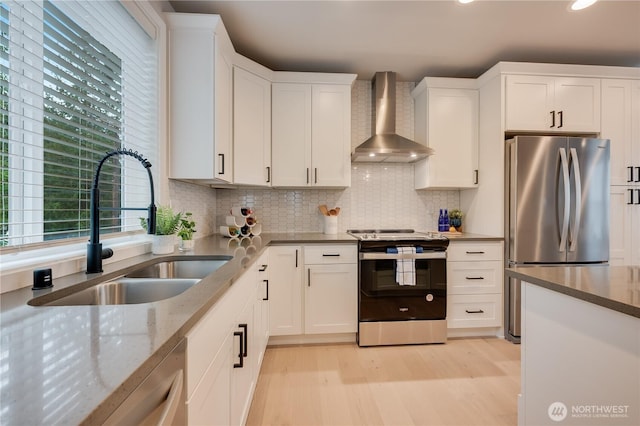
380, 196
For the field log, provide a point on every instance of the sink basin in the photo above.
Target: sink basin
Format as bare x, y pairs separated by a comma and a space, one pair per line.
150, 283
127, 291
179, 269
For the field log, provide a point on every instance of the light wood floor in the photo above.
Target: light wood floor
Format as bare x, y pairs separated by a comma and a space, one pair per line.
463, 382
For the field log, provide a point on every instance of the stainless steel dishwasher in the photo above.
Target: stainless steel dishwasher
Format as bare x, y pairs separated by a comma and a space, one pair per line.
160, 398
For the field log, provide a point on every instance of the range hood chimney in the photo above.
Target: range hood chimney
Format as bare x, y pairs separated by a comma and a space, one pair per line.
386, 146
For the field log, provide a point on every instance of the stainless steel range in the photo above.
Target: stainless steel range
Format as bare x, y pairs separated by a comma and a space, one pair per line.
402, 277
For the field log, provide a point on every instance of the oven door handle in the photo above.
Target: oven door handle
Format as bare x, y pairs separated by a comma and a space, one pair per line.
397, 256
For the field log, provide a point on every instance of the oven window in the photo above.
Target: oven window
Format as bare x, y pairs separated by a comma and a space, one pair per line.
378, 278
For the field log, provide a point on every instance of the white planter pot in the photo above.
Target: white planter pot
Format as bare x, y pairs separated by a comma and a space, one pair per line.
162, 244
186, 245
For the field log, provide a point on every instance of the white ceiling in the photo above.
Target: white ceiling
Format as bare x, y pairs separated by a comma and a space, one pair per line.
438, 38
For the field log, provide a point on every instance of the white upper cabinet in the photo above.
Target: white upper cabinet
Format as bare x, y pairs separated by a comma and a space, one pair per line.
311, 130
251, 129
200, 98
552, 104
446, 119
620, 112
291, 134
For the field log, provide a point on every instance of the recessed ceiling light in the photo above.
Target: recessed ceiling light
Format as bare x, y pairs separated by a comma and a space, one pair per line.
582, 4
372, 155
464, 1
414, 155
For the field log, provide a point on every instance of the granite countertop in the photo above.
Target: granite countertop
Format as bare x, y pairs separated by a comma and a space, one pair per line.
613, 287
76, 364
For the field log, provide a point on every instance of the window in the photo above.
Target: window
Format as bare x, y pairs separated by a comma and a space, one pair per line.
79, 79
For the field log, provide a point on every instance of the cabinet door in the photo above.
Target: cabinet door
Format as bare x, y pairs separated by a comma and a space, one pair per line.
331, 135
291, 134
223, 117
200, 97
617, 126
285, 290
529, 102
262, 307
635, 131
331, 299
452, 117
251, 129
242, 376
210, 403
578, 100
624, 226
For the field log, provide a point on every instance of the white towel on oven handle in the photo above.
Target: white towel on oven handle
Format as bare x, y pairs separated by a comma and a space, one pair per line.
406, 267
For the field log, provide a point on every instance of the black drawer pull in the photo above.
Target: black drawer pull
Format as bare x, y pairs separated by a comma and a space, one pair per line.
266, 282
475, 252
240, 356
246, 339
638, 171
474, 278
479, 311
331, 255
263, 268
553, 119
561, 113
221, 172
630, 197
630, 168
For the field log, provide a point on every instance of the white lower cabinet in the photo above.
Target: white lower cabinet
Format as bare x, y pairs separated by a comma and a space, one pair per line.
324, 300
224, 353
474, 284
624, 225
262, 308
331, 298
285, 290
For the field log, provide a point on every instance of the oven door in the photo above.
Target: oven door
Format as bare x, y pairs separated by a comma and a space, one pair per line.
383, 299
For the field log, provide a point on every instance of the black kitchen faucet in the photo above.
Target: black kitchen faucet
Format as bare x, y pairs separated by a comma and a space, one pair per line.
95, 253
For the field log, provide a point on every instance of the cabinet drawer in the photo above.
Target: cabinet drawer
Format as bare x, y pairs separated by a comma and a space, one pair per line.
324, 254
474, 277
474, 250
474, 310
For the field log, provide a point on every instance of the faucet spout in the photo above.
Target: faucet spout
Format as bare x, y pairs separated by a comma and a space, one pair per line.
95, 252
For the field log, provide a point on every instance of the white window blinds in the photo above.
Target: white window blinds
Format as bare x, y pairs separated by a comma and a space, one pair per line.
79, 79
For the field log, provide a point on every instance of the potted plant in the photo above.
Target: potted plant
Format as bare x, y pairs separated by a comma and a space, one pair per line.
455, 219
167, 225
186, 231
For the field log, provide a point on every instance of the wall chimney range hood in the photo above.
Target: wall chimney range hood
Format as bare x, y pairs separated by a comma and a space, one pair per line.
386, 146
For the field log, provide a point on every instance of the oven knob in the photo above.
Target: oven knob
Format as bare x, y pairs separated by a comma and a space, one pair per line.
429, 297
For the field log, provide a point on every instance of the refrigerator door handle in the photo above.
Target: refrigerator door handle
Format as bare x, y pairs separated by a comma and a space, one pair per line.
575, 226
567, 199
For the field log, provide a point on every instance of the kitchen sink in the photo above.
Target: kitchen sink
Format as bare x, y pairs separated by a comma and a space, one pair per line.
180, 268
124, 291
151, 283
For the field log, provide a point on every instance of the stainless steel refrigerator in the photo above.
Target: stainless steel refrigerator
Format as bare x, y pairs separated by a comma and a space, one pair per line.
557, 207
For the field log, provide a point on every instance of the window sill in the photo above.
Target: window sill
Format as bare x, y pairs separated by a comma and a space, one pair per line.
16, 269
